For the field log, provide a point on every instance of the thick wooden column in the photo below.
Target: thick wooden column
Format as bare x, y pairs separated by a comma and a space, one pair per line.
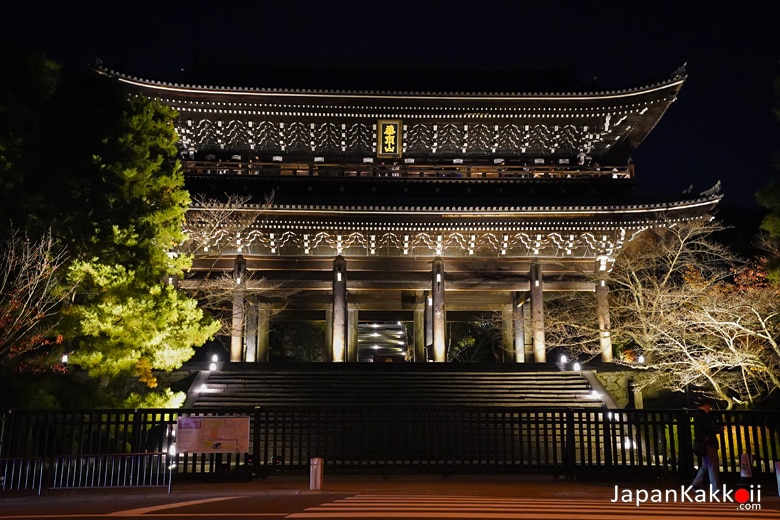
438, 313
339, 339
507, 334
602, 307
257, 318
250, 329
537, 313
429, 322
237, 327
518, 327
352, 335
419, 328
263, 332
329, 333
237, 324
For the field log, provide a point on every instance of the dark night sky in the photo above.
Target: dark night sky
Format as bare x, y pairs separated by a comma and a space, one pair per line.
721, 128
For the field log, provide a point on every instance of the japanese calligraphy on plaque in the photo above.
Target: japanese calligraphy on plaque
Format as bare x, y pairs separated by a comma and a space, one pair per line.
389, 133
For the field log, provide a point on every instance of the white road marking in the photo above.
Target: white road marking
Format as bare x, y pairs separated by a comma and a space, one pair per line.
152, 509
468, 507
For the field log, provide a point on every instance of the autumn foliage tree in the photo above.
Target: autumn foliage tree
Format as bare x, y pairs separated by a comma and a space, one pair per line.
699, 316
723, 342
31, 294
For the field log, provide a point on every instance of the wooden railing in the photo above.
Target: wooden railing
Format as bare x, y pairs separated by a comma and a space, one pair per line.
448, 171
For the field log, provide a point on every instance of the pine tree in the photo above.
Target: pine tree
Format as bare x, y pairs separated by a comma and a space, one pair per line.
97, 167
126, 318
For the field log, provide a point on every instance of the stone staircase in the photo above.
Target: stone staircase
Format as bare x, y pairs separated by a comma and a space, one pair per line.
394, 384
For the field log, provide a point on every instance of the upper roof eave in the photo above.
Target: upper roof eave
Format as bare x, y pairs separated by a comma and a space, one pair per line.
673, 83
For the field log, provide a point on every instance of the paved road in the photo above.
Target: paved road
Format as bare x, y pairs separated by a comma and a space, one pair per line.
374, 499
459, 507
339, 506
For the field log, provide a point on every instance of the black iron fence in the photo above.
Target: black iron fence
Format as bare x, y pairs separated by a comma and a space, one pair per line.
573, 442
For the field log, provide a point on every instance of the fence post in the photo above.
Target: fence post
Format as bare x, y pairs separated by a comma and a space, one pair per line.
608, 440
3, 420
138, 445
685, 464
256, 443
570, 450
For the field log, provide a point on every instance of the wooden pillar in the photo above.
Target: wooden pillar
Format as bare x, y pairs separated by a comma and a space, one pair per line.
507, 334
329, 333
263, 332
250, 329
529, 339
438, 314
518, 327
602, 306
537, 313
429, 323
237, 327
339, 323
352, 337
237, 323
419, 328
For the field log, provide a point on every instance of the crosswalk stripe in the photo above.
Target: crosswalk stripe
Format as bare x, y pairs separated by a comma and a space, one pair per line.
490, 508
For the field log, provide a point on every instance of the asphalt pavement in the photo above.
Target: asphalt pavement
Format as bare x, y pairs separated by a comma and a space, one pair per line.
519, 486
396, 496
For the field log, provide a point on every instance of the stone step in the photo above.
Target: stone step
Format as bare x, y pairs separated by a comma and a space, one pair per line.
409, 385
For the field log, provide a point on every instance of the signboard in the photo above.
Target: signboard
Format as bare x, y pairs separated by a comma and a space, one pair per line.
212, 434
389, 134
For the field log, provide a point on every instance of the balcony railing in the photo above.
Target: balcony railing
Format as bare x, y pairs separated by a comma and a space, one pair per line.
413, 171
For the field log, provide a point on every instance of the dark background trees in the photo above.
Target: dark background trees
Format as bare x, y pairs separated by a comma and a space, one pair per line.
769, 198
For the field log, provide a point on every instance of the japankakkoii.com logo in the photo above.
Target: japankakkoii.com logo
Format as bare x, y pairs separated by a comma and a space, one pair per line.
746, 498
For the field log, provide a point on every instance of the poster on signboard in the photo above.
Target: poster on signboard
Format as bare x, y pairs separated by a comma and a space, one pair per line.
212, 434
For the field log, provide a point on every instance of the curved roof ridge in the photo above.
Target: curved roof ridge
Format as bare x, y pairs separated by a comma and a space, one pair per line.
395, 208
679, 76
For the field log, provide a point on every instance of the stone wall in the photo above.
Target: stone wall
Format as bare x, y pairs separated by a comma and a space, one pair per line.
616, 383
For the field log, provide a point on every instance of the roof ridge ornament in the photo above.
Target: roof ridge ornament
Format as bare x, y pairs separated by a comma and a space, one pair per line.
681, 71
715, 190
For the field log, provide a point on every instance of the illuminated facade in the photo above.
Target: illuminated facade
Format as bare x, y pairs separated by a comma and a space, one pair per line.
412, 207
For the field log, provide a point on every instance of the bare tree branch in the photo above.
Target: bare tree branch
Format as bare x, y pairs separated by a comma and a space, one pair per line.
698, 314
31, 291
215, 228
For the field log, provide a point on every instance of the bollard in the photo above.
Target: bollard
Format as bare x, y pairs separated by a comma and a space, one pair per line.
316, 466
